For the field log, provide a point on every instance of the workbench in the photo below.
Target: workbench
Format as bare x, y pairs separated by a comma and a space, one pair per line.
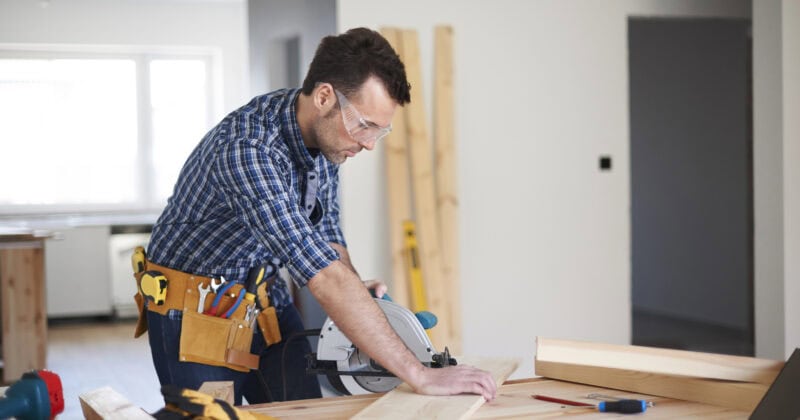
514, 400
22, 302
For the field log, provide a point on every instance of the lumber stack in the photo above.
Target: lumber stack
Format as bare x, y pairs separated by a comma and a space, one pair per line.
423, 192
728, 381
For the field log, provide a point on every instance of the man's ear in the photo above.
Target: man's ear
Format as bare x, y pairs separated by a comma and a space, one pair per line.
324, 98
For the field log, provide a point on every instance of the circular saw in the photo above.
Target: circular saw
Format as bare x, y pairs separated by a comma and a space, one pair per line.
353, 372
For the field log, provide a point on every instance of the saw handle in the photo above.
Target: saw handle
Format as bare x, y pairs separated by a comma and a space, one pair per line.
426, 318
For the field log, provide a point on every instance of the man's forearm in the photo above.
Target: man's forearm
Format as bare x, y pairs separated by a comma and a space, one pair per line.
345, 299
344, 256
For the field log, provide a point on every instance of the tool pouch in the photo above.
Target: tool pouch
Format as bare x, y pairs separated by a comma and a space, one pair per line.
216, 341
268, 324
212, 340
141, 323
267, 318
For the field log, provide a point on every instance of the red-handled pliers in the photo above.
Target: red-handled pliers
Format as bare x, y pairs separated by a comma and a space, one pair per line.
235, 305
221, 292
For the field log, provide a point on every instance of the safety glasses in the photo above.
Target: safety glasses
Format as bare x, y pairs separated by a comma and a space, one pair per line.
360, 129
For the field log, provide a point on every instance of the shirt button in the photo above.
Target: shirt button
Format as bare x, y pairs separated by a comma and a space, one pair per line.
311, 176
309, 207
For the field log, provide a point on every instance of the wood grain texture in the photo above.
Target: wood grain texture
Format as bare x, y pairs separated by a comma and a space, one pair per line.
22, 302
656, 360
424, 195
513, 402
446, 176
727, 381
736, 395
403, 403
398, 187
107, 404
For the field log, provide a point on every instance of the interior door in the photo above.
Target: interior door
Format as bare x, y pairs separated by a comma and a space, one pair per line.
691, 184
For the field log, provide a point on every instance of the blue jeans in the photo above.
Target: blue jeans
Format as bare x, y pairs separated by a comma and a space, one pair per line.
164, 333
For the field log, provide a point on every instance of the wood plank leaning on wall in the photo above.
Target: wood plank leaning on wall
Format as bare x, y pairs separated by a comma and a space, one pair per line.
446, 176
409, 145
398, 188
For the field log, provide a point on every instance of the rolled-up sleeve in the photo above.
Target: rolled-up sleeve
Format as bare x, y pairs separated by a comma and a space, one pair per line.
256, 185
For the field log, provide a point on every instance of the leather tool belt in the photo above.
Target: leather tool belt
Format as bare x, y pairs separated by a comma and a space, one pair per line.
207, 339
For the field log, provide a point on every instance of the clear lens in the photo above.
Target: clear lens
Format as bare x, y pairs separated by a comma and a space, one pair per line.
359, 129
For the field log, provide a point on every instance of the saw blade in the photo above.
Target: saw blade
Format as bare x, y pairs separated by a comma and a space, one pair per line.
360, 362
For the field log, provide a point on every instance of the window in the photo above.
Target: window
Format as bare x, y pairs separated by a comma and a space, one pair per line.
97, 132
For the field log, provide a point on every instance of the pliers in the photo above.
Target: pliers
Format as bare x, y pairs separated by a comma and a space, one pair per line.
220, 292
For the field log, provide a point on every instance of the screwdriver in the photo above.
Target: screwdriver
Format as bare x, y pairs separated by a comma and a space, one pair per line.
620, 406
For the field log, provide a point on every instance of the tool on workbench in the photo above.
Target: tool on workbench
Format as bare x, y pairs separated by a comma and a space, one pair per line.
620, 405
612, 405
352, 371
38, 395
181, 403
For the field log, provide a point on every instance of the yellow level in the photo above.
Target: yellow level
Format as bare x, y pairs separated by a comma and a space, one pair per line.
413, 270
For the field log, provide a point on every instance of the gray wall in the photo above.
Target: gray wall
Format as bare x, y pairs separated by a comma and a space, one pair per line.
275, 23
690, 170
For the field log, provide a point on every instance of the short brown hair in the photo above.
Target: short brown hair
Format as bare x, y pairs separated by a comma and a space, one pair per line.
347, 60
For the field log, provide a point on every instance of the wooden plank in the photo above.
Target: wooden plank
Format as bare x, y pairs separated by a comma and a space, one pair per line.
446, 175
22, 302
513, 401
221, 390
424, 195
656, 360
736, 395
398, 187
403, 403
107, 404
728, 381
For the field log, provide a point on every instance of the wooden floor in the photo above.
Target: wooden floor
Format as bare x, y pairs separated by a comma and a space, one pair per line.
92, 355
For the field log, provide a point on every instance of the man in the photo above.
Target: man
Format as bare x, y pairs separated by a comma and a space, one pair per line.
262, 185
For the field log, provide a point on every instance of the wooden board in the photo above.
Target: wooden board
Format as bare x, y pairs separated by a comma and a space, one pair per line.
404, 403
395, 148
656, 360
446, 176
424, 195
693, 376
513, 401
22, 305
107, 404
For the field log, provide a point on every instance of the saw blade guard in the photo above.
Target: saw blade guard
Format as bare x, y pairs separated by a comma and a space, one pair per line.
335, 346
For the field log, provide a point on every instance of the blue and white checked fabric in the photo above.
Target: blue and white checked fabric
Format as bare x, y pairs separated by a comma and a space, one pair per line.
239, 200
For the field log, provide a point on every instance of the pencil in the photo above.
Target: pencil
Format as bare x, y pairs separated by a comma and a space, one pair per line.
560, 401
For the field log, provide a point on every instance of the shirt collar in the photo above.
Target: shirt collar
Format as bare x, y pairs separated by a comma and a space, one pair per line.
291, 130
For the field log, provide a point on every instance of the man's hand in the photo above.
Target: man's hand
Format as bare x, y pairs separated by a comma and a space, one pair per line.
378, 287
454, 380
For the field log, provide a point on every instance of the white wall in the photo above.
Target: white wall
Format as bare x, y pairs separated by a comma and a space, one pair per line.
217, 25
768, 178
776, 146
541, 93
791, 168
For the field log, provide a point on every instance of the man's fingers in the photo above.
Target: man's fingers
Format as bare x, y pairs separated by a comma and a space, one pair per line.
380, 288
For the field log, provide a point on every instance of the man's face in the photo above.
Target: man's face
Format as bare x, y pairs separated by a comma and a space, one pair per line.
373, 106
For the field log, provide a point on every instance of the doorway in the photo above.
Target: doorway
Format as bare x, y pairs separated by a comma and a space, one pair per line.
691, 184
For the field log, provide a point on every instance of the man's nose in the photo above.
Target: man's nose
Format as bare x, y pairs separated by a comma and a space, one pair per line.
369, 144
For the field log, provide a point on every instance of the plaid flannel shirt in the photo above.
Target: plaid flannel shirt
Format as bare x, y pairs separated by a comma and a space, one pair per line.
245, 195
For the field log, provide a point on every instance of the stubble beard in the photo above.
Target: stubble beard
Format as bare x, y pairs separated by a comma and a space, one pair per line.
325, 131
